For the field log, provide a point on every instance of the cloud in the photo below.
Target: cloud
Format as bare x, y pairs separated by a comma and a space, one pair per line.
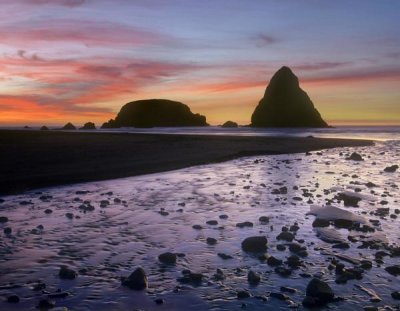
320, 65
89, 33
68, 3
263, 40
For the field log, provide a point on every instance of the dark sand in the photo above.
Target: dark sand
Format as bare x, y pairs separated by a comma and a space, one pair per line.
33, 159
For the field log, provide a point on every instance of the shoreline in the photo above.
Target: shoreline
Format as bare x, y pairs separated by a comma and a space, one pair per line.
37, 159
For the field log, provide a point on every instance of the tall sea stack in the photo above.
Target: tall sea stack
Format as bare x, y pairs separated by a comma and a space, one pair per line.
285, 104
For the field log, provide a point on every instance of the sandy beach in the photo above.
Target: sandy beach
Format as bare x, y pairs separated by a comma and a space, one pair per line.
33, 159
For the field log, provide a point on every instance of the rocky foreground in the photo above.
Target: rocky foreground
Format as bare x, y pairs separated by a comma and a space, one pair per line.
318, 229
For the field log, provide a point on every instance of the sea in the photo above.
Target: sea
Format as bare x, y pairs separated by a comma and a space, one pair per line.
105, 230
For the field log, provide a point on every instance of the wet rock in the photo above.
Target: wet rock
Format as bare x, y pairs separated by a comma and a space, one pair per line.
159, 301
3, 219
224, 256
7, 230
370, 184
48, 211
163, 213
391, 169
223, 216
342, 245
281, 247
279, 296
355, 157
393, 270
66, 273
282, 271
197, 227
395, 295
219, 275
253, 278
13, 299
167, 258
286, 236
318, 293
348, 200
46, 304
69, 215
244, 224
343, 223
288, 289
191, 278
137, 280
264, 219
211, 241
256, 244
294, 261
243, 294
212, 222
273, 261
382, 211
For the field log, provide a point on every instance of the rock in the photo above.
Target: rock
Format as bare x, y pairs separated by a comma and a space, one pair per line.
46, 304
191, 278
272, 261
343, 223
212, 222
348, 200
391, 169
355, 157
3, 219
219, 275
66, 273
69, 215
395, 295
279, 296
285, 104
319, 291
48, 211
224, 256
167, 258
282, 271
393, 270
244, 224
342, 245
44, 128
286, 236
242, 294
69, 126
155, 112
137, 280
13, 299
88, 126
264, 219
320, 223
211, 241
159, 301
229, 124
253, 278
256, 244
7, 230
288, 289
197, 227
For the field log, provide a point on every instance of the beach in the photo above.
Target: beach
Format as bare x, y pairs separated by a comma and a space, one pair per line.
34, 159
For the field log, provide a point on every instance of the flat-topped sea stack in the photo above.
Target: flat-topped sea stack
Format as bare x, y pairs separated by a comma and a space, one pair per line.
285, 104
155, 113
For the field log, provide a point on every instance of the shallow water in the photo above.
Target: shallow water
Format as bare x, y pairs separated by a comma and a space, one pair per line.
109, 242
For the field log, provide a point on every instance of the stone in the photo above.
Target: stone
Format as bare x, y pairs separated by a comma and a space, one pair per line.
391, 169
244, 224
3, 219
66, 273
242, 294
256, 244
348, 200
45, 304
355, 157
272, 261
320, 291
286, 236
393, 270
395, 295
155, 112
211, 241
7, 230
44, 128
253, 278
167, 258
285, 104
13, 299
137, 280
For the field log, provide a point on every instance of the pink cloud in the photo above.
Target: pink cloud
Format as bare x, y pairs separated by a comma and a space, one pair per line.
68, 3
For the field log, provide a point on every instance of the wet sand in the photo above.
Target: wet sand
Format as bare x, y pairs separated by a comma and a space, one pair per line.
34, 159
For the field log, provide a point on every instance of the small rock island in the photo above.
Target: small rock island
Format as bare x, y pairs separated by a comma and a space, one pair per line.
285, 104
155, 113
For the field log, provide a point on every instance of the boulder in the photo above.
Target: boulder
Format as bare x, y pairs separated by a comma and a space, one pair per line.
66, 273
318, 293
285, 104
137, 280
355, 157
256, 244
167, 258
391, 169
44, 128
155, 112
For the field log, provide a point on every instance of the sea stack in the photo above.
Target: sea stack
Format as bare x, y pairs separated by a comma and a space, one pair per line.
155, 113
285, 104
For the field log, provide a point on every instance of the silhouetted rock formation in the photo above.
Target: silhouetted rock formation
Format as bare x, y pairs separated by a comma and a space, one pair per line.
229, 124
69, 126
285, 104
88, 126
155, 112
44, 128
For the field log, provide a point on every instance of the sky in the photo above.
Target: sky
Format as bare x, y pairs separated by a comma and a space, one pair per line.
81, 60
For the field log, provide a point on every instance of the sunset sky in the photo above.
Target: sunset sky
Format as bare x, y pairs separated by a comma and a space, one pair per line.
79, 61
